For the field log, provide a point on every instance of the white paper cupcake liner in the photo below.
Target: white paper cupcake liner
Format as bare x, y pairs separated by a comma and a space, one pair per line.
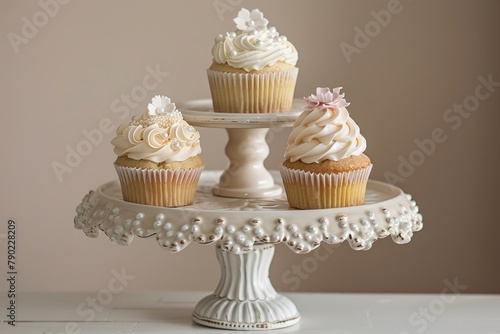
159, 187
306, 190
270, 92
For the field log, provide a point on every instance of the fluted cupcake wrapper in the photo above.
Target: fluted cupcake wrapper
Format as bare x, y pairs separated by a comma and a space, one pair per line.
159, 187
306, 190
270, 92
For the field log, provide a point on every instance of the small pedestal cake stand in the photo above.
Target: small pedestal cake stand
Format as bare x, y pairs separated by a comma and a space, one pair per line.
244, 211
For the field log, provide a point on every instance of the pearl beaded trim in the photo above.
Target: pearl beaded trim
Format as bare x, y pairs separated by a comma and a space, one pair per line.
238, 231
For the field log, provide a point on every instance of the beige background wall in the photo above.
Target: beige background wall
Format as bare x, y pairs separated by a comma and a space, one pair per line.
69, 72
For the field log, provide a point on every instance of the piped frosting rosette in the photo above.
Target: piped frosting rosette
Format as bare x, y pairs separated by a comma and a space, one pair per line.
324, 130
253, 46
324, 162
253, 68
159, 135
158, 156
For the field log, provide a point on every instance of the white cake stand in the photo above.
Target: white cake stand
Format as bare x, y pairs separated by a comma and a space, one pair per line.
245, 223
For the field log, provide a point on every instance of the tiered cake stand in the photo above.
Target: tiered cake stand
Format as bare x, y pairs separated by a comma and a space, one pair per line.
244, 211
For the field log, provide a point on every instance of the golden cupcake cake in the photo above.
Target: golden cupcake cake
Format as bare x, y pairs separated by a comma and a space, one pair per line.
253, 68
158, 159
325, 166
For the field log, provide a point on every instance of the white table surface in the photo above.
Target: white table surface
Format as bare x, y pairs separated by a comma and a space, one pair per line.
322, 313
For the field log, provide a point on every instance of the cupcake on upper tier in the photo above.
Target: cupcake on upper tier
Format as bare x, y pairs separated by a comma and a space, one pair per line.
325, 166
253, 68
158, 159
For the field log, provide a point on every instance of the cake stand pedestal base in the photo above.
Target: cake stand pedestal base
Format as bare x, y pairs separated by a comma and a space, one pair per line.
244, 298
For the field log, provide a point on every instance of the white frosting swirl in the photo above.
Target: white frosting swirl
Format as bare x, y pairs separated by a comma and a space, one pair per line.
253, 49
324, 134
160, 137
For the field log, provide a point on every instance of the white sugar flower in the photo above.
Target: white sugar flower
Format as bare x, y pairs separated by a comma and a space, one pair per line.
160, 105
248, 21
273, 32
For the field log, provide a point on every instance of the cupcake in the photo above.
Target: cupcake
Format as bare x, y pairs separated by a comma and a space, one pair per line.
325, 166
159, 159
253, 68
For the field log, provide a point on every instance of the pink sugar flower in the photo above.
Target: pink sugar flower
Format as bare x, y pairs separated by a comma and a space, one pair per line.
325, 98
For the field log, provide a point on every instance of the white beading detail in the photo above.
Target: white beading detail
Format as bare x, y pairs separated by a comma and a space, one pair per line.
242, 223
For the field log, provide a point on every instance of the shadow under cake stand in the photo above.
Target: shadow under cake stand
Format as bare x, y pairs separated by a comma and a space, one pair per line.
244, 211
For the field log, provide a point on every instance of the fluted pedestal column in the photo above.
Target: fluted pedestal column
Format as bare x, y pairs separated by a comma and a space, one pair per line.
244, 298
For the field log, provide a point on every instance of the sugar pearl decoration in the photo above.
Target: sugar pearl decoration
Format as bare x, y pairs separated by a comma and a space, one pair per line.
165, 120
233, 53
176, 145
